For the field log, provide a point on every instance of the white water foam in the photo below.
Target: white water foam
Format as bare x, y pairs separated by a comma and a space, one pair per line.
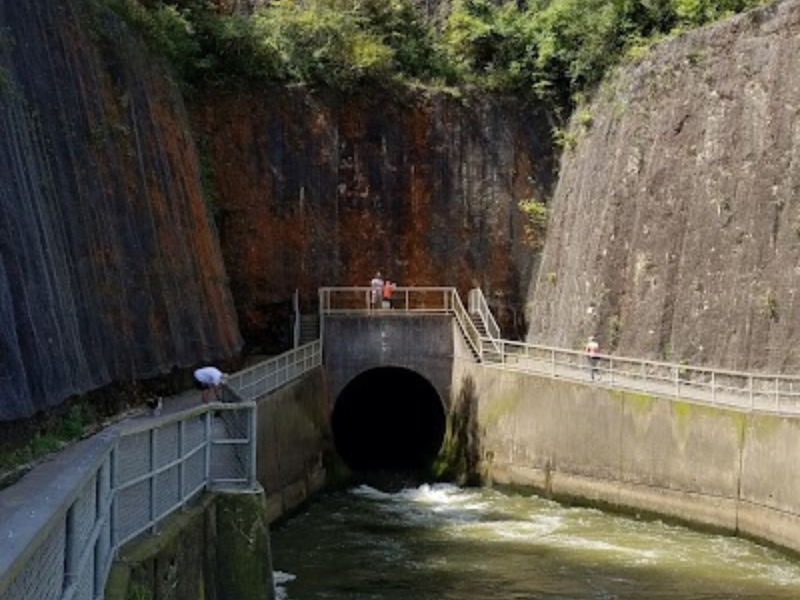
280, 578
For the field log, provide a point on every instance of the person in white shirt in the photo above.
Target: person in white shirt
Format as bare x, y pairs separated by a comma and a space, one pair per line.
376, 292
210, 378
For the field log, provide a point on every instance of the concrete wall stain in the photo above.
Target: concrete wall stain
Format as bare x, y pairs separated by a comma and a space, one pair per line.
111, 268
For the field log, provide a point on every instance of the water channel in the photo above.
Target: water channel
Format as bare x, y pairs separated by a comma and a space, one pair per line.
440, 542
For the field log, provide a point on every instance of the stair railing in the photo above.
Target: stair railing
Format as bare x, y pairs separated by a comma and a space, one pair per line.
478, 306
471, 333
296, 311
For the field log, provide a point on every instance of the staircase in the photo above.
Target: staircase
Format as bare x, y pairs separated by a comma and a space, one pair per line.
490, 353
479, 324
309, 328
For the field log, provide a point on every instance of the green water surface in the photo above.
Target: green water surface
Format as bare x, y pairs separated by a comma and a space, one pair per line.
439, 542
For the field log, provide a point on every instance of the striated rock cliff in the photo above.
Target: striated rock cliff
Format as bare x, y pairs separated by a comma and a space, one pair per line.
319, 190
675, 230
110, 267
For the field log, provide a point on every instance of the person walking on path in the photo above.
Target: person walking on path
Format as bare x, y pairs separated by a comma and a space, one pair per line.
376, 293
210, 378
593, 355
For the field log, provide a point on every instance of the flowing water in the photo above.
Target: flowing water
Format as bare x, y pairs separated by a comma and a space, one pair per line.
440, 542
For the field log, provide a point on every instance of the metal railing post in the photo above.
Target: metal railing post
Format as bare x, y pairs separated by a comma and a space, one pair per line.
253, 441
103, 504
713, 388
207, 434
72, 553
322, 313
182, 464
114, 512
153, 480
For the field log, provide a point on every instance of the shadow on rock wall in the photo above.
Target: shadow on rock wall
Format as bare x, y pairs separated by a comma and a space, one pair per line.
109, 264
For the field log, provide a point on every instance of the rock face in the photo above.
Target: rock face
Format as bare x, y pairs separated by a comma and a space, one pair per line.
110, 267
323, 191
675, 230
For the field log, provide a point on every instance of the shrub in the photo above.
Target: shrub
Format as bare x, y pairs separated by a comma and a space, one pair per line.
536, 224
550, 49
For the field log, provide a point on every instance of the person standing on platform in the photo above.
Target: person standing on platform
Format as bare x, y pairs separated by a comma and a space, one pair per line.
376, 292
593, 355
388, 289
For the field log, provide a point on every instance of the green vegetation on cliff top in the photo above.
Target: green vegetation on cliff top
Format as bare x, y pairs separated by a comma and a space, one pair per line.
550, 50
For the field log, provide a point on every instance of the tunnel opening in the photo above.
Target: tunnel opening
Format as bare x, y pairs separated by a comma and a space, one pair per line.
388, 419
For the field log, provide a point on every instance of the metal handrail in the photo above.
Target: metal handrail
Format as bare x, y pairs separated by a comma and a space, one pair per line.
255, 382
471, 333
126, 480
478, 305
427, 300
296, 317
344, 300
748, 391
90, 511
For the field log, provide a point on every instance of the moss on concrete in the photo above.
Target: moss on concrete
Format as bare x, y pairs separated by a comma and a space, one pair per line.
499, 407
689, 413
638, 403
217, 550
244, 563
169, 556
767, 424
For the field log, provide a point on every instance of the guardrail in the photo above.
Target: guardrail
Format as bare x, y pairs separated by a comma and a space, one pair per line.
477, 304
338, 300
255, 382
427, 300
750, 391
133, 476
62, 525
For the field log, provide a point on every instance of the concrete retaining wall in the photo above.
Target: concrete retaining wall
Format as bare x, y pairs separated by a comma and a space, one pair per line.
721, 468
293, 439
356, 343
217, 550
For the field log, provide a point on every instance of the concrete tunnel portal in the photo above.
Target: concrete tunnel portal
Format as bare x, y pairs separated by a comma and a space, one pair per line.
388, 418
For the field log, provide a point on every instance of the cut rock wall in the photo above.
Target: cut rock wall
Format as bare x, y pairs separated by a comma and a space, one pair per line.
110, 268
317, 190
675, 230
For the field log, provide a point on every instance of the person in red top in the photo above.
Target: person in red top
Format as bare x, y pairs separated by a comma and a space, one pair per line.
593, 354
388, 288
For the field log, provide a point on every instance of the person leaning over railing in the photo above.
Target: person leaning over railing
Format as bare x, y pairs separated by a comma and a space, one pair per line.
210, 378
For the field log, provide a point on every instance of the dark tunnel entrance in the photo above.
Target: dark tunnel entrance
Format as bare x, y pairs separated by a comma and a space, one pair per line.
388, 418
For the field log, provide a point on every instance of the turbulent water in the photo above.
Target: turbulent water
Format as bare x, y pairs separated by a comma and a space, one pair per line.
440, 542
